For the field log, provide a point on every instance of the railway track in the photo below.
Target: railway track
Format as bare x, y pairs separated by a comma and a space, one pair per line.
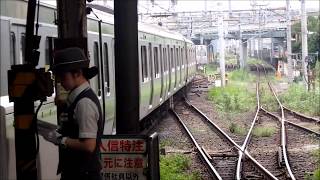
221, 154
299, 139
221, 151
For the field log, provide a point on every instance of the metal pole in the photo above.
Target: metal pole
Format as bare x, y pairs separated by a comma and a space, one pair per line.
221, 53
240, 48
126, 66
289, 51
304, 34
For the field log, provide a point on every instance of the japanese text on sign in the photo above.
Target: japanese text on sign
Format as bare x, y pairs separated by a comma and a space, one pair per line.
123, 146
119, 162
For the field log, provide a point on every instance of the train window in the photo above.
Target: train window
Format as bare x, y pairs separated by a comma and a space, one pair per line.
48, 50
171, 59
144, 64
13, 48
150, 60
165, 64
156, 62
22, 47
182, 58
161, 60
96, 62
106, 66
177, 58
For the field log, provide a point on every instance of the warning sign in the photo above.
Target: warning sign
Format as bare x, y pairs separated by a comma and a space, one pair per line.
124, 157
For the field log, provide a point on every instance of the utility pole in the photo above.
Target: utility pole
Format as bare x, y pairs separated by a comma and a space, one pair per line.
259, 40
304, 34
127, 84
221, 52
240, 48
289, 51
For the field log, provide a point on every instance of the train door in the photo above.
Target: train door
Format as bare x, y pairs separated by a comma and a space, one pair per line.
175, 61
108, 64
161, 62
169, 69
151, 74
18, 33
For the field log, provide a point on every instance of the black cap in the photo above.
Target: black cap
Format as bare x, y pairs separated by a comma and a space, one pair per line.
69, 59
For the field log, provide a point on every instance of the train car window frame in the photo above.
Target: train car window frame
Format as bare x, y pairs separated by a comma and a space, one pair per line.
13, 40
144, 63
22, 47
177, 58
182, 58
96, 60
172, 60
156, 62
165, 55
106, 67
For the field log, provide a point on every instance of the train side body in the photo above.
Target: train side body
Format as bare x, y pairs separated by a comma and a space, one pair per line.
166, 64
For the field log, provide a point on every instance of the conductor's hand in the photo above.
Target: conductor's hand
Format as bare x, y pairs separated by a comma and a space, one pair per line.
53, 137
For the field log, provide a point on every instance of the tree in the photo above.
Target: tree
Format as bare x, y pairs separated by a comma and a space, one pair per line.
313, 36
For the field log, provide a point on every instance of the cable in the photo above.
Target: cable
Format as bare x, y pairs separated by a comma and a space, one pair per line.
37, 24
35, 126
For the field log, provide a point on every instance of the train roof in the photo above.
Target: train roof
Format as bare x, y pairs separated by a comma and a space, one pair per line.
143, 27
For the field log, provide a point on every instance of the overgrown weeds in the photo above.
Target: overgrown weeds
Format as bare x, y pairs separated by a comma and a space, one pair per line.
263, 131
316, 174
176, 167
298, 98
232, 98
236, 129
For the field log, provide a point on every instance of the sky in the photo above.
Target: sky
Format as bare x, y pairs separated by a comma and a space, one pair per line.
199, 5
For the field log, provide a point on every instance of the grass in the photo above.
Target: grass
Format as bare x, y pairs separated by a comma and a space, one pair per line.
241, 75
263, 131
236, 129
175, 167
299, 99
267, 100
211, 69
316, 174
165, 142
232, 98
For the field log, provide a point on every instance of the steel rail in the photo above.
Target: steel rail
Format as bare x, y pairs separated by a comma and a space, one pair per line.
301, 115
289, 122
283, 134
213, 171
246, 153
246, 141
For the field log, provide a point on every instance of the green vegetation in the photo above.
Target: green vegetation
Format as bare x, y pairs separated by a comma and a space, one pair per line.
232, 98
175, 167
263, 131
267, 100
236, 129
313, 38
316, 174
165, 142
299, 99
241, 75
211, 69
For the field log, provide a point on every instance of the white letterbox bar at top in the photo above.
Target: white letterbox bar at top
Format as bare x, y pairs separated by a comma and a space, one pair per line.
123, 146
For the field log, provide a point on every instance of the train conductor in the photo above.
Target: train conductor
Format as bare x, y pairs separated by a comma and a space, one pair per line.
79, 133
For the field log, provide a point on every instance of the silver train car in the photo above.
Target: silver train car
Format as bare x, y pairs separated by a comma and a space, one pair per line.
167, 62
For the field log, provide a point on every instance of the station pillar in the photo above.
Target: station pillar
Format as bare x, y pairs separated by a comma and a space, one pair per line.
126, 66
